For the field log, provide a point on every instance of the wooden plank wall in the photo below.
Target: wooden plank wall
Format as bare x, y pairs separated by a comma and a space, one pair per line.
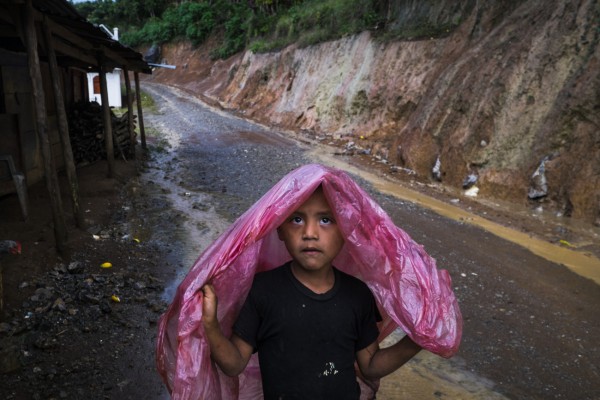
17, 116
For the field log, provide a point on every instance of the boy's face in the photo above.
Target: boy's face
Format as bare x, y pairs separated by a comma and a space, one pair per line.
311, 234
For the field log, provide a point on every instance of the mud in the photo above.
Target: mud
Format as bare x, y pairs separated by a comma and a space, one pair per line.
585, 263
520, 310
530, 324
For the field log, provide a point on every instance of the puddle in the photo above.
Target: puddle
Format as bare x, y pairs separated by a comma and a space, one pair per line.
583, 264
193, 222
428, 376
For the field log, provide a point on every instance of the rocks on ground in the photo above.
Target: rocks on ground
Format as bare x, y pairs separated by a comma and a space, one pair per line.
70, 328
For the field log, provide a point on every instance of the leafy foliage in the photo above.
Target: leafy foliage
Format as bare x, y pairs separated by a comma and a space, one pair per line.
258, 25
122, 12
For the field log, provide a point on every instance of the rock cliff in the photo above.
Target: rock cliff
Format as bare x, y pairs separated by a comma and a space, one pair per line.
504, 92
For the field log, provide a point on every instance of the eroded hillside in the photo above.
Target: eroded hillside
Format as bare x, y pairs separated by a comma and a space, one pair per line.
505, 91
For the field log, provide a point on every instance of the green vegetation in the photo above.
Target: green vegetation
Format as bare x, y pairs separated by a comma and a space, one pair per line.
258, 25
147, 101
419, 30
160, 143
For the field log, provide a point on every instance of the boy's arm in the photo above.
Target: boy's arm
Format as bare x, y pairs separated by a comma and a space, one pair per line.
230, 354
376, 363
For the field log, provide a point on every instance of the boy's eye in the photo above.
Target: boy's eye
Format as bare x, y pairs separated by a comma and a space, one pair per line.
326, 221
296, 220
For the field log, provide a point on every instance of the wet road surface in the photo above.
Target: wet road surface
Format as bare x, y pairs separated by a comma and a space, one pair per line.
530, 326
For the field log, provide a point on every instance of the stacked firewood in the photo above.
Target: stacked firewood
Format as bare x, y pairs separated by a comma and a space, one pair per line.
86, 129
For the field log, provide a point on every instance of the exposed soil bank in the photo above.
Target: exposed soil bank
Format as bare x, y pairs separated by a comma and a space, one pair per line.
503, 90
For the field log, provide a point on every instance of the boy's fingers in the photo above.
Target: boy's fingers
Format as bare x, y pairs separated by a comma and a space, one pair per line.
209, 296
209, 303
208, 290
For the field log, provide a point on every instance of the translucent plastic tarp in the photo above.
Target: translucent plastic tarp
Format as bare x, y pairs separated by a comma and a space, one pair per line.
411, 292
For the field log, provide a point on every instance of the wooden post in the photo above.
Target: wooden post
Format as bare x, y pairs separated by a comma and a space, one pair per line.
130, 113
108, 136
138, 99
35, 73
1, 291
63, 126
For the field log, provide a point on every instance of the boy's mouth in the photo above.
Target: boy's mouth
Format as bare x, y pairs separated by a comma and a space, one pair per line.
311, 250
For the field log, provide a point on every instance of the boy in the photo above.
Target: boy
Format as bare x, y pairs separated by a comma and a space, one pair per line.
308, 321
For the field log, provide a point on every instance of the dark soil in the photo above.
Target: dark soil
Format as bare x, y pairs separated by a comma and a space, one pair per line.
71, 329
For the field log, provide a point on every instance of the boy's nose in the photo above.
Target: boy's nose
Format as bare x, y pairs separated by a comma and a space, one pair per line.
311, 231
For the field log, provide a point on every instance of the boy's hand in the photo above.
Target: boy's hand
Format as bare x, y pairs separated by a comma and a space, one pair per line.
231, 355
209, 306
375, 363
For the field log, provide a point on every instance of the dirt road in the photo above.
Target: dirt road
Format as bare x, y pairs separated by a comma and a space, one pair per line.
530, 325
71, 329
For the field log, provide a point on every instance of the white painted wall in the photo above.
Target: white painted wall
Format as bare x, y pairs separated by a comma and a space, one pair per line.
113, 83
113, 79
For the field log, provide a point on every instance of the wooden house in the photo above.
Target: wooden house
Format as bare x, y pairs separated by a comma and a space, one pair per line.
46, 51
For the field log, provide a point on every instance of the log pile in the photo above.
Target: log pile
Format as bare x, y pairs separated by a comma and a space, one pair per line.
86, 130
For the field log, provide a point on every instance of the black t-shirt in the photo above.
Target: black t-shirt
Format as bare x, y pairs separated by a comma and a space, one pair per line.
306, 342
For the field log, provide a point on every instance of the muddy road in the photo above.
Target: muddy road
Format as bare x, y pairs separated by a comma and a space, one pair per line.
531, 326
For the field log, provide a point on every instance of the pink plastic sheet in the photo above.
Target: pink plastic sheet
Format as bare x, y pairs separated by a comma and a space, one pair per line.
410, 291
